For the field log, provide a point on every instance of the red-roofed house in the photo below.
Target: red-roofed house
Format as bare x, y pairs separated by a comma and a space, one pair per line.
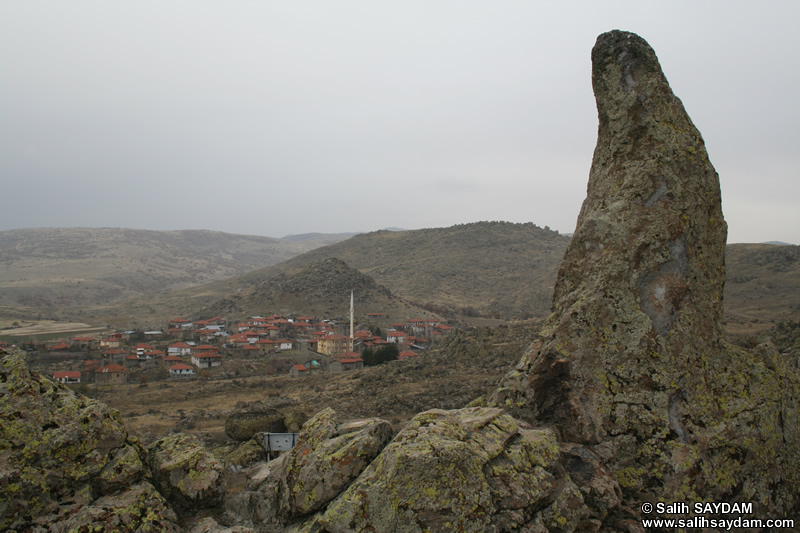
181, 370
298, 371
84, 342
251, 349
216, 321
266, 345
242, 338
115, 355
61, 346
111, 342
180, 349
112, 374
395, 336
67, 376
407, 354
206, 360
343, 365
204, 348
285, 344
440, 331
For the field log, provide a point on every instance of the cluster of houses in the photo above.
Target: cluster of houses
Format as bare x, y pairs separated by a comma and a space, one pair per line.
185, 347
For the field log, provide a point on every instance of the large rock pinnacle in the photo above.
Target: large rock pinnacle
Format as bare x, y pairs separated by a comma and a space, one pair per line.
632, 360
639, 293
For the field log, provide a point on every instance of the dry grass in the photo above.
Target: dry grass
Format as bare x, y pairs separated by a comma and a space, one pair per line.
466, 366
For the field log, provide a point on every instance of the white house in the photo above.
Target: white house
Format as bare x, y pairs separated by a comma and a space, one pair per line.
284, 344
180, 349
180, 370
67, 377
396, 336
206, 360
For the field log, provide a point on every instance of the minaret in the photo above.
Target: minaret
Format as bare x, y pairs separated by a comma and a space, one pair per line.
351, 321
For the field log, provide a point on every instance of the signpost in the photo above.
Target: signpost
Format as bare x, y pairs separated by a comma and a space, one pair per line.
279, 442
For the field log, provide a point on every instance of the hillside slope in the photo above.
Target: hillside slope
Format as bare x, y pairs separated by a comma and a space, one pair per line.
762, 282
321, 288
78, 267
489, 268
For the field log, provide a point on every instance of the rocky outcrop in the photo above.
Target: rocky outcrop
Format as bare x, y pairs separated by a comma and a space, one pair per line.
67, 463
139, 508
328, 456
244, 454
465, 470
66, 460
632, 363
188, 475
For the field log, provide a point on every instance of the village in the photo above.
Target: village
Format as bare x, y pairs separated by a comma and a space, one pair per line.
216, 347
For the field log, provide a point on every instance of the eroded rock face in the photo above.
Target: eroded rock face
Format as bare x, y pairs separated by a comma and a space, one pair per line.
185, 472
138, 508
471, 469
63, 457
329, 455
632, 362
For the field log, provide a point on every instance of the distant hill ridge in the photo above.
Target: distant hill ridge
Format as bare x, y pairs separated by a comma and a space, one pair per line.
486, 268
77, 267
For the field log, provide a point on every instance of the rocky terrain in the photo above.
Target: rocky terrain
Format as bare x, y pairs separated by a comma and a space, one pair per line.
628, 394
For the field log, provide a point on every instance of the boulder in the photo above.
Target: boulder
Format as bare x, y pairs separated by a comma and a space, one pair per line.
473, 469
57, 448
209, 525
242, 454
138, 508
328, 456
294, 421
187, 474
632, 364
244, 425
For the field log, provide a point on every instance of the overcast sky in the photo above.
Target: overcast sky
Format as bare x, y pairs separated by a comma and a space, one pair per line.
284, 117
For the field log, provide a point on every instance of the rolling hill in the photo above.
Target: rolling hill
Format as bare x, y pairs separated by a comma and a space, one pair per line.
486, 268
81, 267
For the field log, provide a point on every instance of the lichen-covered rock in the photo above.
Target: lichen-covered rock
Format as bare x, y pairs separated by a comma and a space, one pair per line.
294, 421
632, 363
139, 508
244, 454
466, 470
56, 446
328, 456
187, 474
244, 425
209, 525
